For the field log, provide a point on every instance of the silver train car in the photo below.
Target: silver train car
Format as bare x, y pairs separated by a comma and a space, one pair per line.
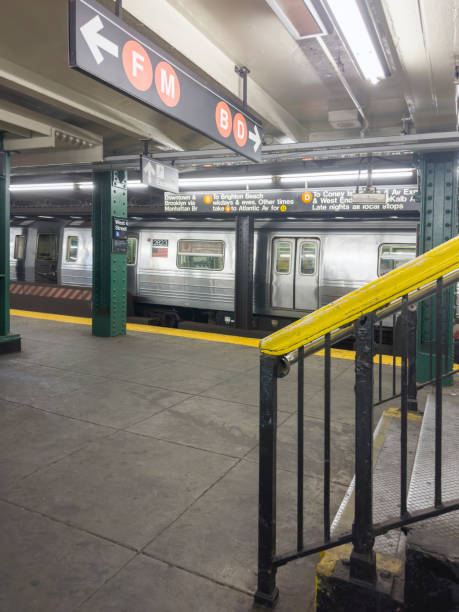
188, 267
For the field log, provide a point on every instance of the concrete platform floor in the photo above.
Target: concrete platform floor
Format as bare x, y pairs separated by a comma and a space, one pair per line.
129, 472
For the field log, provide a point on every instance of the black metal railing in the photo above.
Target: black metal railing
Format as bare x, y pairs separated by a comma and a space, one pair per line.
368, 332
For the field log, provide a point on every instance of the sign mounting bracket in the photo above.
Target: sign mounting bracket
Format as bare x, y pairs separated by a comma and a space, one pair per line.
243, 71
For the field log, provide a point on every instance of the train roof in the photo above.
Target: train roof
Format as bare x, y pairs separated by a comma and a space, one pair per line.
344, 224
278, 225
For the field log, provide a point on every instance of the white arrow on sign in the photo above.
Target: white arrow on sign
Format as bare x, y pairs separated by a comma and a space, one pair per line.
255, 136
95, 41
150, 172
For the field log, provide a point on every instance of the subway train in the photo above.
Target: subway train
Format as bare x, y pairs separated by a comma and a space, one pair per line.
185, 269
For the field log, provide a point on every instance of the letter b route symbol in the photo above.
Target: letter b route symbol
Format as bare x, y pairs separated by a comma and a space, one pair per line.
223, 119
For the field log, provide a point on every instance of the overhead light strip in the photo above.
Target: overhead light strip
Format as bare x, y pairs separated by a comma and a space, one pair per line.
388, 173
227, 180
355, 30
43, 187
67, 186
231, 180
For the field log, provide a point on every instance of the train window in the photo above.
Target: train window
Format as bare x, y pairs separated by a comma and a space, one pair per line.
283, 257
47, 247
392, 256
72, 248
201, 254
19, 247
131, 251
308, 258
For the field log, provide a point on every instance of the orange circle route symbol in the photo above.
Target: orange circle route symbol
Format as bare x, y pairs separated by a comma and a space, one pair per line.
240, 129
167, 84
137, 65
223, 119
208, 199
227, 208
307, 197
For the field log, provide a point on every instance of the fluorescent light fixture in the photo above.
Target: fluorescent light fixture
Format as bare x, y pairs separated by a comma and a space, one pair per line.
42, 187
299, 17
351, 22
231, 181
385, 173
67, 186
226, 180
131, 184
136, 185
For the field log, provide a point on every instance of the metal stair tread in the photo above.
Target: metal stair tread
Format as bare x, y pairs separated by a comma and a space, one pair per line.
421, 491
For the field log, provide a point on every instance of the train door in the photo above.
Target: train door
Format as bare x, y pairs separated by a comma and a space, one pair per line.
17, 253
46, 258
282, 273
307, 274
132, 250
295, 273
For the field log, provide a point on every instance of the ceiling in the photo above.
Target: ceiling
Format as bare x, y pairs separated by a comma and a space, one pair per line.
54, 115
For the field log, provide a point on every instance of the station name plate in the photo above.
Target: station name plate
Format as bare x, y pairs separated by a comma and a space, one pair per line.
120, 235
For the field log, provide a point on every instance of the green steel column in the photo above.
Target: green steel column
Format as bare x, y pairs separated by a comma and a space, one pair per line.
438, 187
109, 268
8, 342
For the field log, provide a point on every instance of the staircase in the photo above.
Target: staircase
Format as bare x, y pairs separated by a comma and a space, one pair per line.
432, 546
422, 561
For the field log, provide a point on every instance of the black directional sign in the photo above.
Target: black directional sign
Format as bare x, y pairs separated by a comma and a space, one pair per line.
158, 175
102, 46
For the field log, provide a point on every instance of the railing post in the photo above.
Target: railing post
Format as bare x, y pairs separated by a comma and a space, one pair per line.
405, 333
363, 560
411, 325
267, 593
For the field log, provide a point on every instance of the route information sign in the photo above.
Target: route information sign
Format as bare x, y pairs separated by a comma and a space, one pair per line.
273, 202
105, 48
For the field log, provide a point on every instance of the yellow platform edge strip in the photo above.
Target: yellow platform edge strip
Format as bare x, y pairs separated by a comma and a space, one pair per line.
185, 333
146, 329
426, 268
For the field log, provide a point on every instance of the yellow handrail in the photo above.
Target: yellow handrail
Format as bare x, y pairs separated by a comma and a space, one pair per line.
403, 280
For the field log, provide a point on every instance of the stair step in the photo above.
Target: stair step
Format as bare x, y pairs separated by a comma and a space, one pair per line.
421, 492
432, 546
386, 479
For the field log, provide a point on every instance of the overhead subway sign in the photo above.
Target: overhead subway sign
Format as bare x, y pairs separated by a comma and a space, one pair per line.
105, 48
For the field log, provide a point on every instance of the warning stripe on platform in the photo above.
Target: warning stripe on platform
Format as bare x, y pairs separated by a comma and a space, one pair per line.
50, 292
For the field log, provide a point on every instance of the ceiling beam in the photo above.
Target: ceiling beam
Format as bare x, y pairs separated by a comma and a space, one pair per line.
24, 120
57, 156
333, 149
21, 79
13, 128
170, 25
